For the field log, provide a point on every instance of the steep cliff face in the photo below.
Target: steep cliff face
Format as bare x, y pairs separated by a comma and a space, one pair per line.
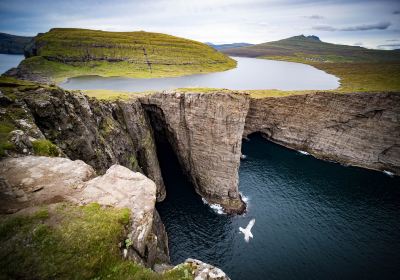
205, 132
360, 129
100, 133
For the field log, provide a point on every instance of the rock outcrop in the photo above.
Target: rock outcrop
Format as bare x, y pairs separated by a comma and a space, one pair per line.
32, 181
205, 132
101, 133
35, 181
120, 187
204, 271
360, 129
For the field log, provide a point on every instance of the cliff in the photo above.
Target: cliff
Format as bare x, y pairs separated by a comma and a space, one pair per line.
205, 132
100, 133
360, 129
69, 52
13, 44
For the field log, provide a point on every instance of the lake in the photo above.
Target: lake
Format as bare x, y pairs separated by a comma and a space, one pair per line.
8, 61
250, 73
314, 219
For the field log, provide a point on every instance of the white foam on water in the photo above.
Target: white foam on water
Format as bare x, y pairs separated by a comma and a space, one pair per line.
245, 199
391, 174
215, 207
303, 153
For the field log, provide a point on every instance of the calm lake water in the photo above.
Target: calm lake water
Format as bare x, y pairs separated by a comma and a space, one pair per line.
250, 73
314, 219
8, 61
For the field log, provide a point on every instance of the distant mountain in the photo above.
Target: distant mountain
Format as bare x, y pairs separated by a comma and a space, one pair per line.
313, 49
13, 44
228, 46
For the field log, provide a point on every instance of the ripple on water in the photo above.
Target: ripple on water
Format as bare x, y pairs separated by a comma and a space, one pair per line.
314, 220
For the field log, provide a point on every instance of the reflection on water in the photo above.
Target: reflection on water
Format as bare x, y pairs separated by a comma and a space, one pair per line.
251, 73
314, 219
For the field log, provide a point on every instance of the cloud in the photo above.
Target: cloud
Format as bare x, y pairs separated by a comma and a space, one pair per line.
363, 27
396, 12
389, 46
314, 17
358, 44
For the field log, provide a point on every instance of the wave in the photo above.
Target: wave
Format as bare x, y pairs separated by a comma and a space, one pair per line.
215, 207
390, 174
303, 153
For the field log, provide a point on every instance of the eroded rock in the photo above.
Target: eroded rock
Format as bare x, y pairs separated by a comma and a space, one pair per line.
205, 132
360, 129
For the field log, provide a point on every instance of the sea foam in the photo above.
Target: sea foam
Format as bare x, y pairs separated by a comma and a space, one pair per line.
391, 174
214, 206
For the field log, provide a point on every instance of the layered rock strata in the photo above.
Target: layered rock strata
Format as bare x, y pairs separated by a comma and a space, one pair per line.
359, 129
205, 132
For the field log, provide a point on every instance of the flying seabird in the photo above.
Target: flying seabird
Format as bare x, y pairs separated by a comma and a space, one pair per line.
247, 231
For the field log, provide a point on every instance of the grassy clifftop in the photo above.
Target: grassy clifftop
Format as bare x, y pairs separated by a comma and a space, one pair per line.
67, 52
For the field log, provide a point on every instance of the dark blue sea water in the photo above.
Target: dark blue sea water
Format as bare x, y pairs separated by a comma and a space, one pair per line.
314, 219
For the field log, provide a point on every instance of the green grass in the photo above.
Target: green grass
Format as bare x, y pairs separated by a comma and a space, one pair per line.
364, 76
70, 242
309, 48
105, 94
356, 76
67, 52
359, 69
5, 128
43, 147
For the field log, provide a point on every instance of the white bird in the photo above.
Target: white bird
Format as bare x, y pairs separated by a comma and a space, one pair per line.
247, 231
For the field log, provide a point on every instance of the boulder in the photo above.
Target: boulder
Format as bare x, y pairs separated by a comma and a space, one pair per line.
32, 180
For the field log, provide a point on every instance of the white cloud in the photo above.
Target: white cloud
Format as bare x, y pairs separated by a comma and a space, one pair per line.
222, 21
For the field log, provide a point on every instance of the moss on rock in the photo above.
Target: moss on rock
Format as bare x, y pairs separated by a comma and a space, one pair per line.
64, 241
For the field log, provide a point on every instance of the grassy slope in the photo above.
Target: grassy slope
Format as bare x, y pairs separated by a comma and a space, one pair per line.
65, 52
359, 69
70, 242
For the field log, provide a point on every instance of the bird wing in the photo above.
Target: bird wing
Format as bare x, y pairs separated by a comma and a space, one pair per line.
251, 224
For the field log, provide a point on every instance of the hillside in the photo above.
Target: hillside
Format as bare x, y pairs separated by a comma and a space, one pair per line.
228, 46
311, 48
12, 44
65, 52
359, 69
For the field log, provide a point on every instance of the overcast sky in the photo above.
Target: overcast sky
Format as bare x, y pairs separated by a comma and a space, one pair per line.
368, 23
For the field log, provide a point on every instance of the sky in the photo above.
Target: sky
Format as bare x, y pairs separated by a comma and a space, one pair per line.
367, 23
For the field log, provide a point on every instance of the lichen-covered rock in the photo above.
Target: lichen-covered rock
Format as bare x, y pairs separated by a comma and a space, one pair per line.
360, 129
204, 271
205, 132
